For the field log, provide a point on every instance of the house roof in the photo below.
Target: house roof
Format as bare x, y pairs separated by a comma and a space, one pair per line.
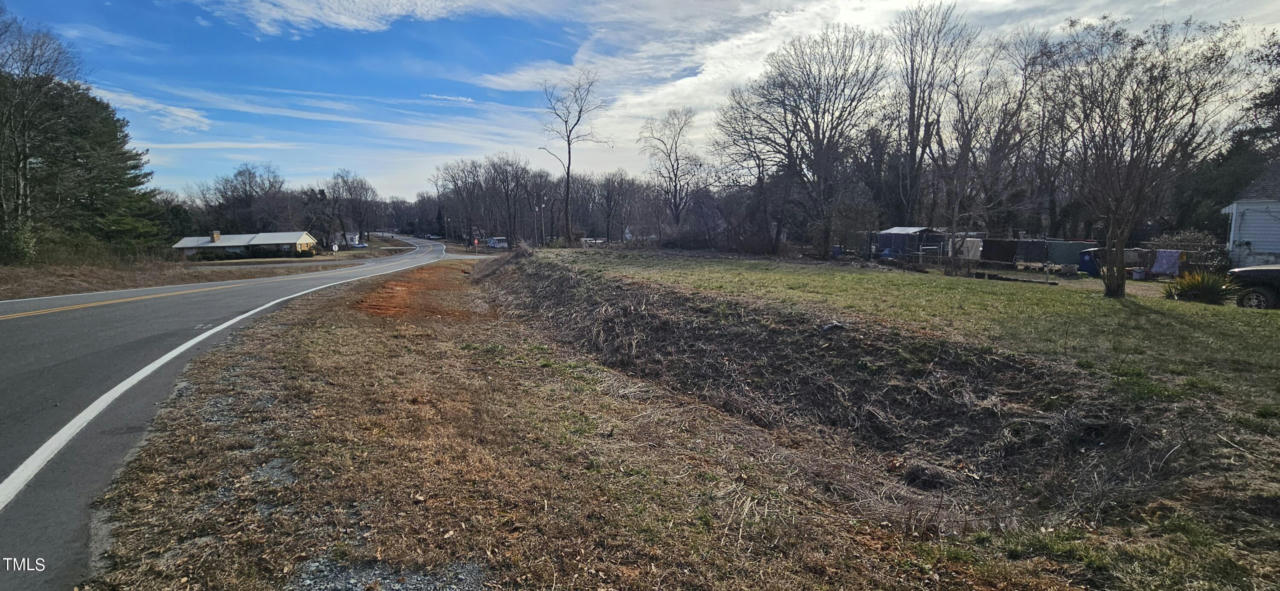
1266, 186
1247, 202
228, 240
906, 230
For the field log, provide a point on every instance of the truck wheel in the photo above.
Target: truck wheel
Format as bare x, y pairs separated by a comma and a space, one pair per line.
1258, 297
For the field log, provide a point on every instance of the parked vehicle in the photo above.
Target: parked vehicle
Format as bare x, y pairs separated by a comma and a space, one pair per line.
496, 242
1259, 286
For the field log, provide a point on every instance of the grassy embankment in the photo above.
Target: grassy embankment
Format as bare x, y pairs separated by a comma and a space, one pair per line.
444, 438
46, 280
1195, 366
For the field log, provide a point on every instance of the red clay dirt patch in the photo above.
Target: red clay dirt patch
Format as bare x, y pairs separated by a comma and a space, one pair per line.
415, 293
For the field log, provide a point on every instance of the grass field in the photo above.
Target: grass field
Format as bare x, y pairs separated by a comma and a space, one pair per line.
1178, 364
1187, 348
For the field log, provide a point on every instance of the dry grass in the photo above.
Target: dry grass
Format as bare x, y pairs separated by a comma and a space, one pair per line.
47, 280
408, 423
1161, 413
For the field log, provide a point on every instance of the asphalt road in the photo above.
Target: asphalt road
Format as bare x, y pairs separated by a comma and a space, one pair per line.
64, 358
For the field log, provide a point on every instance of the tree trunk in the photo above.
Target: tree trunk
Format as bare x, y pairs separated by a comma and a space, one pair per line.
568, 164
1113, 274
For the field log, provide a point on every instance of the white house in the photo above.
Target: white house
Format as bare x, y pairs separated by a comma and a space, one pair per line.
244, 244
1255, 222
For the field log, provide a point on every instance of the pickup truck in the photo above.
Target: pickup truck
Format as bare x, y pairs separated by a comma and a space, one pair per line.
1259, 286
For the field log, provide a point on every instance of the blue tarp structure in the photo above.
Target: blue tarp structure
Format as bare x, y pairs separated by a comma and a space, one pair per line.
909, 240
1089, 261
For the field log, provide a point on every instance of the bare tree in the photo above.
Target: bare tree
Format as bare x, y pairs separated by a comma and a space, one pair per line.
815, 99
1141, 109
506, 179
678, 170
570, 107
979, 147
746, 154
362, 201
619, 195
929, 41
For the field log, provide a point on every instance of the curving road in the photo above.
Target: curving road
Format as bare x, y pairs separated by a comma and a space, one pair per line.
82, 375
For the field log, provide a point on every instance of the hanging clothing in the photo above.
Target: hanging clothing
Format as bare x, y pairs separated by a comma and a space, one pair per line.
1167, 263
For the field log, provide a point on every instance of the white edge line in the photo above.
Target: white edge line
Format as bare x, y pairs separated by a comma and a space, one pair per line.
18, 479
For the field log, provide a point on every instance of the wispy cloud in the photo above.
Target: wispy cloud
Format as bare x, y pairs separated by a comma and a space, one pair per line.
90, 35
450, 99
276, 17
215, 145
326, 104
168, 117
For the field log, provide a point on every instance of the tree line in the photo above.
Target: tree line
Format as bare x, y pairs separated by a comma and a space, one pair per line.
67, 174
1091, 130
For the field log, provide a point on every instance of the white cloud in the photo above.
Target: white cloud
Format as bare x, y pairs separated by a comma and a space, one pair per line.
652, 55
168, 117
204, 22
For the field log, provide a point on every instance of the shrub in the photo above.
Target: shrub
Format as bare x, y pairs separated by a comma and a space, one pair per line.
1203, 287
17, 244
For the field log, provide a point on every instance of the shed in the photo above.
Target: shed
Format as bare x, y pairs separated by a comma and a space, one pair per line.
909, 240
1255, 231
245, 244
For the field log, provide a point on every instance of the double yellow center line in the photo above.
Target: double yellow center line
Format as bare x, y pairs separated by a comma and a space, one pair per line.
171, 293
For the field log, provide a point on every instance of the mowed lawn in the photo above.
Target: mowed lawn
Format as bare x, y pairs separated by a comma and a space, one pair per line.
1150, 346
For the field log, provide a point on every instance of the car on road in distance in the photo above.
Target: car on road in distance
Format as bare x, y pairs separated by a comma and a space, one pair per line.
1259, 286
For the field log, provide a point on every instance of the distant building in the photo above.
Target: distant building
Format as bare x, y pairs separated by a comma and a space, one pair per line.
909, 240
1255, 222
267, 243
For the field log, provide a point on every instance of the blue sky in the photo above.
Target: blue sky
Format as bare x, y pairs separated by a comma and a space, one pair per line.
393, 88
